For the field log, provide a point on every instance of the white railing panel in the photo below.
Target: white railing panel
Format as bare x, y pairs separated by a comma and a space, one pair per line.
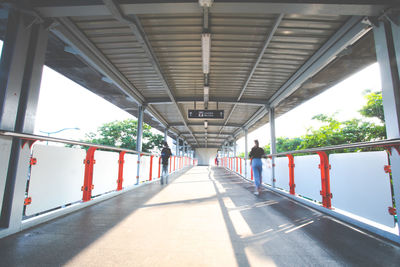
266, 171
156, 161
130, 170
307, 176
105, 172
144, 169
56, 179
360, 185
282, 173
174, 160
248, 169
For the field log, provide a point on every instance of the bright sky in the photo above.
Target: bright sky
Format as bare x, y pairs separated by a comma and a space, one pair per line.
345, 99
65, 104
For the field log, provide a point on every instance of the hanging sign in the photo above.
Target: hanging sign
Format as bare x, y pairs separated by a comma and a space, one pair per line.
205, 114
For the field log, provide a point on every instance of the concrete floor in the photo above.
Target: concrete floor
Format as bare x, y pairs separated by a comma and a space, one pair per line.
206, 217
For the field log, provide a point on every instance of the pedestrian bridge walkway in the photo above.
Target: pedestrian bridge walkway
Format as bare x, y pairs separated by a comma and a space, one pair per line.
206, 217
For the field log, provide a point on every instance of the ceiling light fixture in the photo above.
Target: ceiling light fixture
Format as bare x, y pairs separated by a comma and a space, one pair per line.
206, 3
206, 46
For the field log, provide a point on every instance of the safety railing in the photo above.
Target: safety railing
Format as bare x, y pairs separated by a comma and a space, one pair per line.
59, 176
358, 185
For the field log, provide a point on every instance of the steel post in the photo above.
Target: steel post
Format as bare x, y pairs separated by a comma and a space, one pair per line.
165, 134
139, 139
387, 43
21, 68
273, 143
246, 153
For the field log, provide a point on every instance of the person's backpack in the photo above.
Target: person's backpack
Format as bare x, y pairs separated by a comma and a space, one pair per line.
165, 154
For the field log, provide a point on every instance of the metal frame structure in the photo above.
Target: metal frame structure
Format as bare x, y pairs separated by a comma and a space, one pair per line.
264, 57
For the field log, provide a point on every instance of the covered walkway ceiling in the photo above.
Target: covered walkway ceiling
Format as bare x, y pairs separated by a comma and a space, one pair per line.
263, 54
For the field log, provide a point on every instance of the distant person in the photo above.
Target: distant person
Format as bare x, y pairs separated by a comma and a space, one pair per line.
216, 160
165, 154
255, 155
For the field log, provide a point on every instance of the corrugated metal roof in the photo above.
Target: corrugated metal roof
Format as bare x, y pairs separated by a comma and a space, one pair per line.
167, 74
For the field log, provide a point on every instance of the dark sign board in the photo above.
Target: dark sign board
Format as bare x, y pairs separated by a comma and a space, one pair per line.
205, 114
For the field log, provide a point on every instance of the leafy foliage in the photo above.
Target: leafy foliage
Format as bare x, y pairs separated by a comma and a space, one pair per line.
334, 132
284, 144
374, 106
123, 134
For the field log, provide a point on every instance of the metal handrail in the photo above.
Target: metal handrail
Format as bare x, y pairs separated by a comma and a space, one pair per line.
380, 143
65, 141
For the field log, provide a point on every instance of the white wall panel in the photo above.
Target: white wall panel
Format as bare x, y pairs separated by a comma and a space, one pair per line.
282, 173
266, 171
359, 185
57, 177
206, 156
156, 162
248, 169
130, 170
105, 172
307, 176
144, 168
174, 160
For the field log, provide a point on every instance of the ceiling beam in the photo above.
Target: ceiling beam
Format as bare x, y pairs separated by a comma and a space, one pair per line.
255, 65
137, 30
71, 35
348, 34
202, 124
186, 100
64, 8
208, 133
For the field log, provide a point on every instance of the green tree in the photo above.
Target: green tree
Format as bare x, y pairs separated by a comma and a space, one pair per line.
241, 155
284, 144
334, 132
374, 106
123, 134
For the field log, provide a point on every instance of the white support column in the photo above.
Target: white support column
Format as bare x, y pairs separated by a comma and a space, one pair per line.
386, 53
139, 139
177, 147
21, 69
246, 153
165, 134
234, 154
387, 45
273, 143
234, 147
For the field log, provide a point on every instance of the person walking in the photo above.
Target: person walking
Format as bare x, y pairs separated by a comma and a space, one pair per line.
165, 154
255, 155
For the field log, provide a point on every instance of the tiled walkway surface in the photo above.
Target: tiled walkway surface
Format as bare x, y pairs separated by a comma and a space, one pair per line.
206, 217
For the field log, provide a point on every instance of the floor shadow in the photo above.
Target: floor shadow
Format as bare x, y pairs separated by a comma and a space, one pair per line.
238, 246
56, 242
279, 222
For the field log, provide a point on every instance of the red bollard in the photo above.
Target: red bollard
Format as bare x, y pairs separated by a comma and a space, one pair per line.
151, 168
88, 179
120, 170
325, 179
159, 167
291, 174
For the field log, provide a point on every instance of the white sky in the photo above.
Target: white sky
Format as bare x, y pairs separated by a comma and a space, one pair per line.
65, 104
345, 98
